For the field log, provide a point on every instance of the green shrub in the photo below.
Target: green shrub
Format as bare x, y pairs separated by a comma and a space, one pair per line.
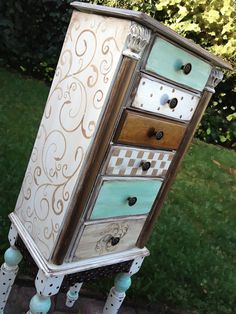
32, 34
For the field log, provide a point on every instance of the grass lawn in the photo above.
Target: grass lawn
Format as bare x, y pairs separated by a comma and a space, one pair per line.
193, 247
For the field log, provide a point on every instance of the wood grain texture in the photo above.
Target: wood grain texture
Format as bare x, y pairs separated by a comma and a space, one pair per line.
96, 238
136, 129
95, 157
156, 26
171, 174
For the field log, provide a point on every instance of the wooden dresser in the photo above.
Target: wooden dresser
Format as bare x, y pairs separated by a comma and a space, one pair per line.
127, 96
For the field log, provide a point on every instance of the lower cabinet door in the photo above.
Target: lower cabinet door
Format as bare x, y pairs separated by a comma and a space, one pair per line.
117, 197
101, 238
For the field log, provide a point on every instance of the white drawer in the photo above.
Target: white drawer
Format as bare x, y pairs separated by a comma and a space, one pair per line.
164, 99
103, 238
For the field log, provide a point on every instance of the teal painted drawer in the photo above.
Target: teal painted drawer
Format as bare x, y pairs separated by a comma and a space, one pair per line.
167, 60
125, 198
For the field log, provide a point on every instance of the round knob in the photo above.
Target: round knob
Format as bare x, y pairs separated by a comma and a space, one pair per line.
186, 68
172, 102
145, 165
132, 200
159, 135
114, 241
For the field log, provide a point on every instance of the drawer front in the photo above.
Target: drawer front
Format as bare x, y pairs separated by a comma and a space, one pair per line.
129, 161
137, 129
105, 238
166, 60
163, 99
125, 198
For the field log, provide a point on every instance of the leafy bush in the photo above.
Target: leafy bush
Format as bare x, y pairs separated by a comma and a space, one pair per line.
212, 25
32, 34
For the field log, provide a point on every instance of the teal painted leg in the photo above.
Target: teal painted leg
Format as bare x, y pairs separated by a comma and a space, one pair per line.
9, 269
73, 294
118, 292
46, 287
39, 304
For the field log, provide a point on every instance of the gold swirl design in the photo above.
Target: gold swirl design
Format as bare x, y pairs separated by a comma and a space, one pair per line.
87, 64
118, 230
97, 99
108, 47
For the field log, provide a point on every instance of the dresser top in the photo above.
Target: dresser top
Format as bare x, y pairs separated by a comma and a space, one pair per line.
154, 25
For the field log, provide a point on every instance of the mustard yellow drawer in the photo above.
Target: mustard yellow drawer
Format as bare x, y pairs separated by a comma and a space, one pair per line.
151, 132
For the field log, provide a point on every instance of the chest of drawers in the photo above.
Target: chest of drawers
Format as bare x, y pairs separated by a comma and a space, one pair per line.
127, 96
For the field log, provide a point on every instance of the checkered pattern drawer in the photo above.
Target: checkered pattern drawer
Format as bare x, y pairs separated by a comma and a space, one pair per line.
126, 161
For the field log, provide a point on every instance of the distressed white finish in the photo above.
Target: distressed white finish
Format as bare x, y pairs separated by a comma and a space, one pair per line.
74, 266
116, 297
96, 237
73, 294
138, 38
7, 278
126, 161
8, 274
215, 78
113, 302
12, 235
136, 265
47, 286
153, 96
87, 65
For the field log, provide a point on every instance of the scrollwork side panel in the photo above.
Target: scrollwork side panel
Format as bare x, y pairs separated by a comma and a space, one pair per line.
88, 62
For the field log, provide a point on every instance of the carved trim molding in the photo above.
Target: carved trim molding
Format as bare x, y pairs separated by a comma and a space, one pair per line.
137, 40
214, 79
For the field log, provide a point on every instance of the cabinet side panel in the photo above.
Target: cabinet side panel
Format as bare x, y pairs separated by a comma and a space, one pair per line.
88, 62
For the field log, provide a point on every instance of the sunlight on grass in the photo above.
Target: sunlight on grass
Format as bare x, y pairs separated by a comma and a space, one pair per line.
193, 246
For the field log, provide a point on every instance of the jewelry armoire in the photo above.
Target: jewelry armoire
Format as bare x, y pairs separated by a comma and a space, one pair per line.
126, 98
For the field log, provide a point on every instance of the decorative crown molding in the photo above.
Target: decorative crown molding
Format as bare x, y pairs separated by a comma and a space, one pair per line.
214, 79
137, 40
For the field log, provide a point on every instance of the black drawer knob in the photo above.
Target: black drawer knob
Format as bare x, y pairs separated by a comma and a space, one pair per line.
157, 134
145, 165
186, 68
172, 102
114, 241
132, 200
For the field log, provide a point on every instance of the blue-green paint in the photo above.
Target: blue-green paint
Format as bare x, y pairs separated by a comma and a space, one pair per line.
122, 282
12, 257
112, 199
72, 294
166, 60
40, 304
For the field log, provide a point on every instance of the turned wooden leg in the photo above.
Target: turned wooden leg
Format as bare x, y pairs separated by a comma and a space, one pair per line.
9, 269
73, 294
118, 292
45, 287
